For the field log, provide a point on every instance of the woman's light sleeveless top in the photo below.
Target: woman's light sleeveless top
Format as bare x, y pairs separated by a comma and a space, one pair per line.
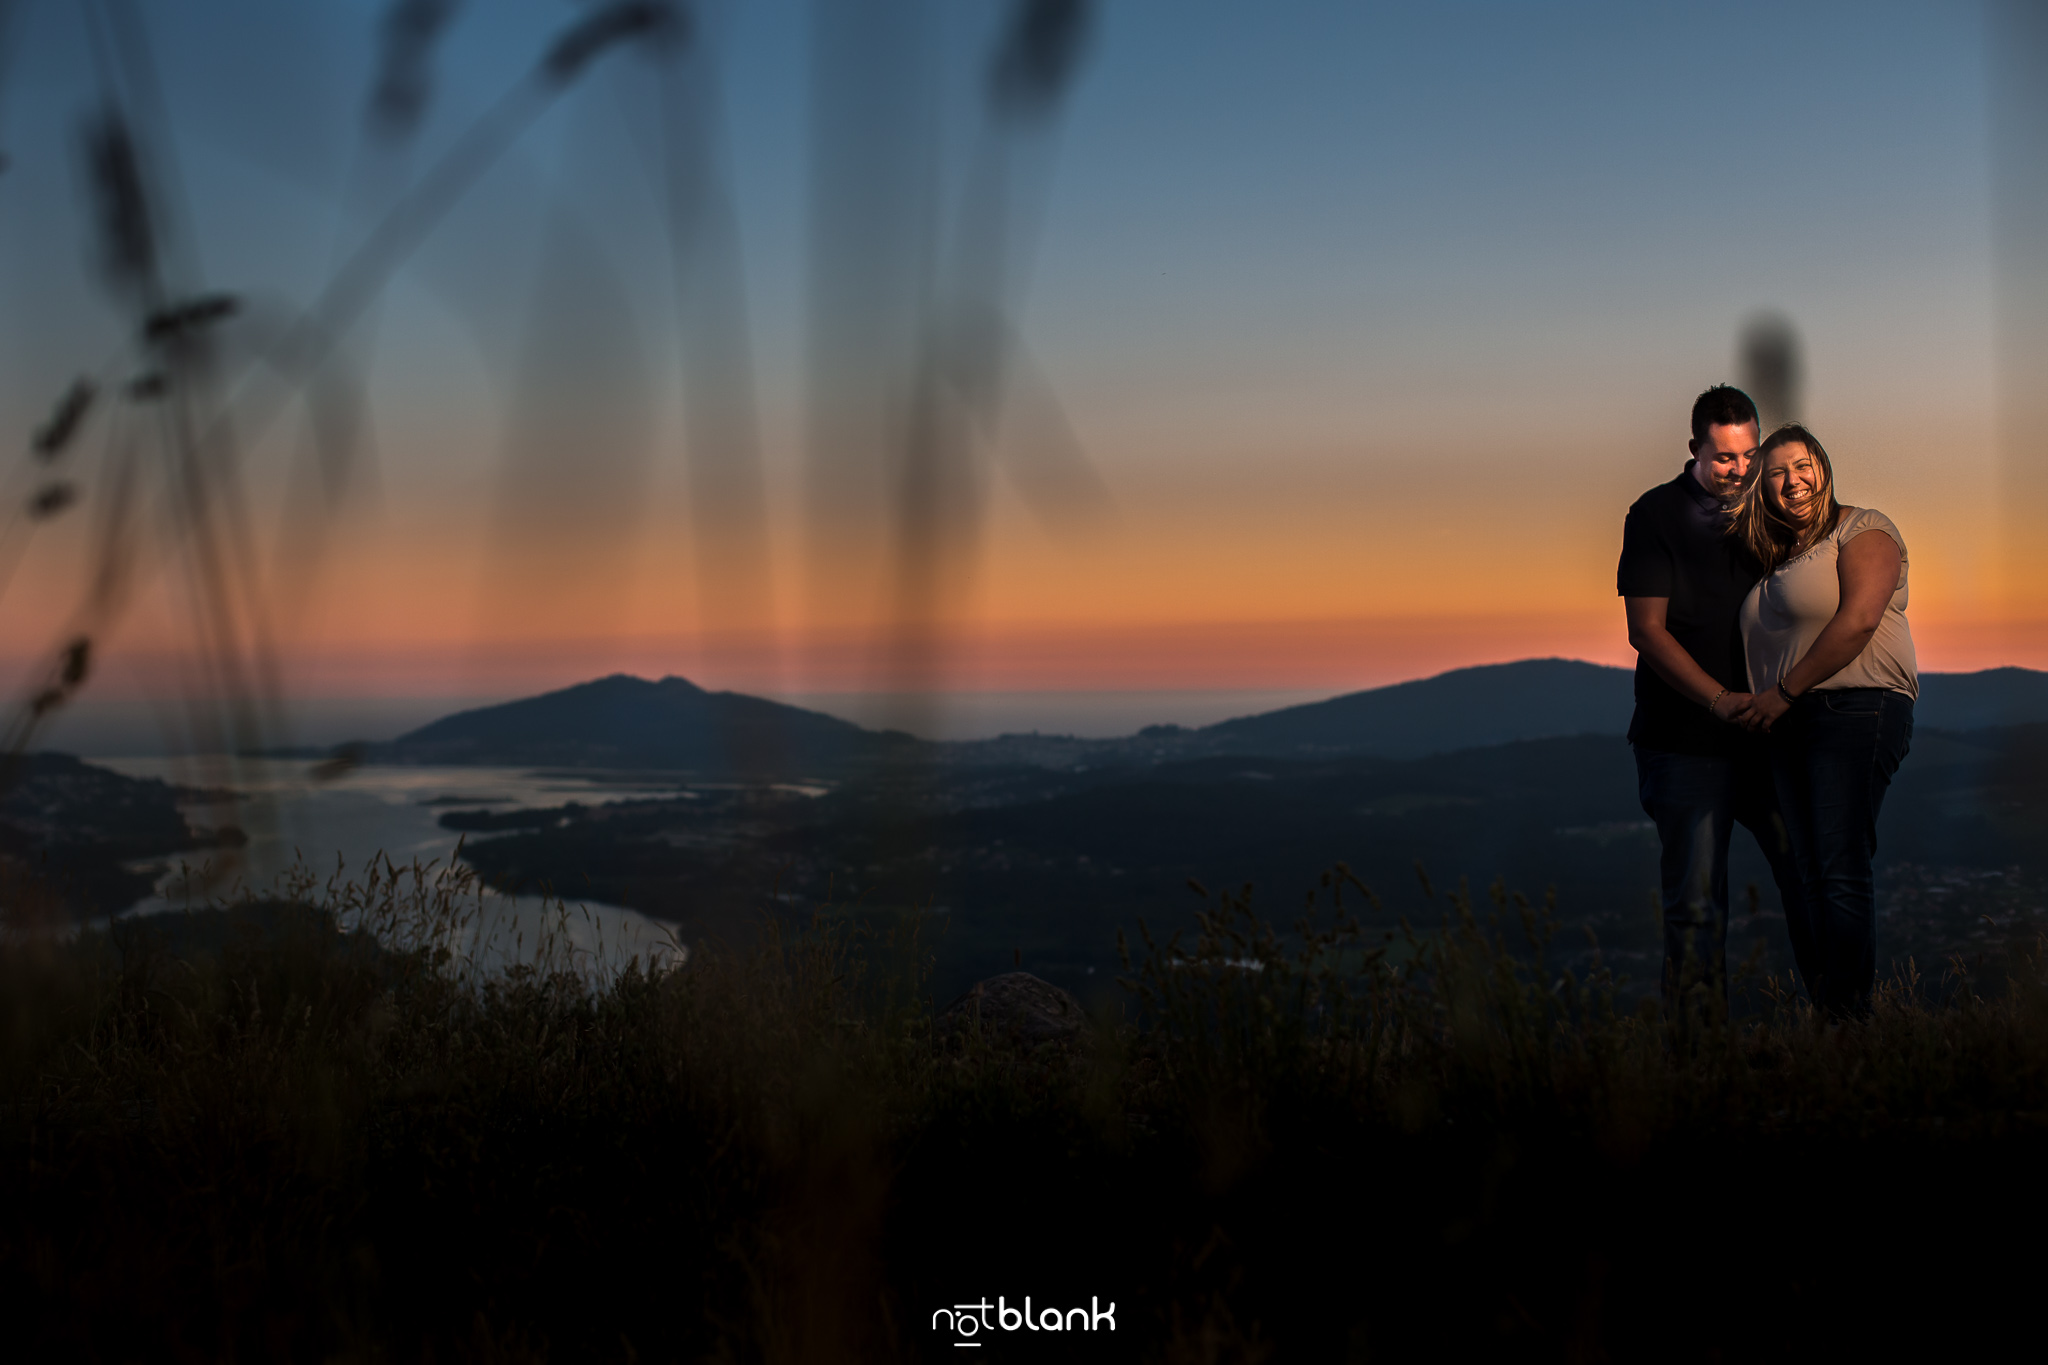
1787, 610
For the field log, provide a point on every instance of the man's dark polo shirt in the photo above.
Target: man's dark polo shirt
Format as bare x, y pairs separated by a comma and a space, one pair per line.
1674, 545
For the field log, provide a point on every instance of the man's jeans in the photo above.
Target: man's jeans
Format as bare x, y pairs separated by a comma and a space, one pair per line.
1834, 754
1696, 803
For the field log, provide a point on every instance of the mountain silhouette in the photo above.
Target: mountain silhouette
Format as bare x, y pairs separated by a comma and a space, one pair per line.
1472, 708
628, 722
1467, 708
1982, 700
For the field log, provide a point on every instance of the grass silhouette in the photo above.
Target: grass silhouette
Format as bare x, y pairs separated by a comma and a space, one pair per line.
339, 1123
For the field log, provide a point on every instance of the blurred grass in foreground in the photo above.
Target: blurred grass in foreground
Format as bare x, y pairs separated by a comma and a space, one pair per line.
244, 1134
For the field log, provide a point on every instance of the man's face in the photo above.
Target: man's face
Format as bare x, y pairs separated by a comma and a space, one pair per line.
1722, 460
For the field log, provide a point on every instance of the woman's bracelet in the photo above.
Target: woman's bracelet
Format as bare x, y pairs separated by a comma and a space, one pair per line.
1716, 702
1783, 693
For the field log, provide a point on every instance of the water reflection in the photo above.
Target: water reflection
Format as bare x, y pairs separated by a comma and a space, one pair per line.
373, 813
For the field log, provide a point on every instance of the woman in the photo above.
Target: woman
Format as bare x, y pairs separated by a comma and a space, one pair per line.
1832, 671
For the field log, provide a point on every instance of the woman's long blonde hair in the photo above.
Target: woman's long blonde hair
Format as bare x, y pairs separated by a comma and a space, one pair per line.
1764, 531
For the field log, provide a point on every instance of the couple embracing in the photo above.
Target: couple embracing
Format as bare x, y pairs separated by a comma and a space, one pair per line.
1775, 682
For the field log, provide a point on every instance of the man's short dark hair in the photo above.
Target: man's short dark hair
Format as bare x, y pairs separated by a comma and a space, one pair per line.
1724, 405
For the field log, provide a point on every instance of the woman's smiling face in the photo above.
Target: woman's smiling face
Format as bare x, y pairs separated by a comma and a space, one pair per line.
1791, 478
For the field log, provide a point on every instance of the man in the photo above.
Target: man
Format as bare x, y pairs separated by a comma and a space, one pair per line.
1683, 580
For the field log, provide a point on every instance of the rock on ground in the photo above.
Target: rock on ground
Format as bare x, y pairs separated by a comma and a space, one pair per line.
1019, 1006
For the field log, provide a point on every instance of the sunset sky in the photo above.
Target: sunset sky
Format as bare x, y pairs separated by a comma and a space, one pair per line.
1371, 319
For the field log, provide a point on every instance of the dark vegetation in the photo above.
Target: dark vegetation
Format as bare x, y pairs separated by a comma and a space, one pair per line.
1046, 862
80, 840
248, 1135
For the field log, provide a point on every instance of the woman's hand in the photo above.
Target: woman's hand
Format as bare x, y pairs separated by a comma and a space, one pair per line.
1763, 711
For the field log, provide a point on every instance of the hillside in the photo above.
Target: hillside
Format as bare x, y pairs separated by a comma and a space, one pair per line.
1049, 862
81, 839
1467, 708
1472, 708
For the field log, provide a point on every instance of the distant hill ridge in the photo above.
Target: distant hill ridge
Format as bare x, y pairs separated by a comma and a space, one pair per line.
1467, 708
1470, 708
627, 722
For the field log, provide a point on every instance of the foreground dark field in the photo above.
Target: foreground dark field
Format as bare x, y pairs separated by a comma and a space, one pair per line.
245, 1136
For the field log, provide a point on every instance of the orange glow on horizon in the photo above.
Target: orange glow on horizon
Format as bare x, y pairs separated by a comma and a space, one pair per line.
1338, 655
1339, 576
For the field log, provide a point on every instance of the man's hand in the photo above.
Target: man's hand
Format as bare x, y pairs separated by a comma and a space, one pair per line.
1731, 706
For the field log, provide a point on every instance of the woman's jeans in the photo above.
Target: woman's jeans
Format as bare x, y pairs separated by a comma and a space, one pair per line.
1833, 755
